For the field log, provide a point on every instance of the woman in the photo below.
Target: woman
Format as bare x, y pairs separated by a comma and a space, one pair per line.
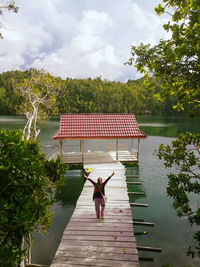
99, 194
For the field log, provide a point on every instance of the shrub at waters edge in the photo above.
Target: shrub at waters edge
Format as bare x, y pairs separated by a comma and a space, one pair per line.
28, 183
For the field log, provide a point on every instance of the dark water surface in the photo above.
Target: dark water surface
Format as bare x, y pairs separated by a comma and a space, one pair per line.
171, 233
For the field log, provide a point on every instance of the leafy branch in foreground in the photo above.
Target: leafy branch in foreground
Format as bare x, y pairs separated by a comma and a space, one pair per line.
28, 183
184, 186
174, 63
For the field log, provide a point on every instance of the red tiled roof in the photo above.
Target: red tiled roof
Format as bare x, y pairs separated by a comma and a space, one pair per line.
98, 126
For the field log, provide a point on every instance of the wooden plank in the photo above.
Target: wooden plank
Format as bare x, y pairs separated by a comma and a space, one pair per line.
93, 262
97, 228
106, 220
112, 238
96, 263
99, 224
108, 210
36, 265
136, 193
111, 197
88, 233
108, 207
95, 254
143, 223
138, 205
150, 249
100, 249
90, 243
134, 183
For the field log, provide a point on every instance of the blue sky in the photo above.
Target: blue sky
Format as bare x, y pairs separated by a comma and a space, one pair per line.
78, 38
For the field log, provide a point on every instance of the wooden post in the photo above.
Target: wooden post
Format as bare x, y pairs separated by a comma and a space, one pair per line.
29, 248
108, 145
82, 150
61, 148
151, 249
138, 153
126, 147
116, 149
132, 146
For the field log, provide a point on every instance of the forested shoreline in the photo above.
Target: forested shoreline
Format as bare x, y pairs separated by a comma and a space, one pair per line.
90, 96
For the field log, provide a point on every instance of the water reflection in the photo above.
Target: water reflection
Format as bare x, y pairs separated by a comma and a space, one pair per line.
168, 126
153, 125
71, 191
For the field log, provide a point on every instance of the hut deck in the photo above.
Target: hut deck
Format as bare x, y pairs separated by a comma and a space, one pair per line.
88, 241
99, 157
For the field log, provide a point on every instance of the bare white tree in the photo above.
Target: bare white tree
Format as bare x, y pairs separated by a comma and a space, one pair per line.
38, 98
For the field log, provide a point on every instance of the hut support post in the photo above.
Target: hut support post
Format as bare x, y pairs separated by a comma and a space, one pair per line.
117, 141
126, 146
82, 149
138, 152
61, 148
108, 145
132, 146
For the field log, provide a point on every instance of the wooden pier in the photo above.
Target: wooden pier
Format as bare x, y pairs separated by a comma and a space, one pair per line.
88, 241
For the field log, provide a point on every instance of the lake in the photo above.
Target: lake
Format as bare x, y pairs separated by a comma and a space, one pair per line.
171, 233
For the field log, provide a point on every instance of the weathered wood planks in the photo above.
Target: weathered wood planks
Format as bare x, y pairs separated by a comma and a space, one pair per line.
88, 241
97, 157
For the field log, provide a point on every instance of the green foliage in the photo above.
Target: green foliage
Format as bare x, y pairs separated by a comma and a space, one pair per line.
87, 96
184, 185
175, 63
8, 99
97, 96
28, 183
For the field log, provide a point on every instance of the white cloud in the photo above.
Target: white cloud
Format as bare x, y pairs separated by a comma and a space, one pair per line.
88, 54
6, 62
94, 22
78, 38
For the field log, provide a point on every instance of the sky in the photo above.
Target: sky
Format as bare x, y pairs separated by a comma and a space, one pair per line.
78, 38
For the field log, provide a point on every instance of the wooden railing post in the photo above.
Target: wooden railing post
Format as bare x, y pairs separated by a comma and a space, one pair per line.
132, 146
82, 149
138, 152
116, 149
108, 145
126, 147
61, 148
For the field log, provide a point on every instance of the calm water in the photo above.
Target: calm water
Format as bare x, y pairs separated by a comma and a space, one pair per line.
171, 233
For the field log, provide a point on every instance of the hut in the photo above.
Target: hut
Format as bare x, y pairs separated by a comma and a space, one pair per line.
84, 127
